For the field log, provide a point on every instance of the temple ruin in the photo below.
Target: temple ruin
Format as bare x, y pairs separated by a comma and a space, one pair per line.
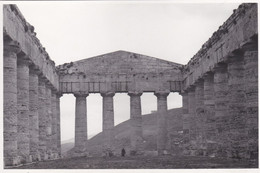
219, 87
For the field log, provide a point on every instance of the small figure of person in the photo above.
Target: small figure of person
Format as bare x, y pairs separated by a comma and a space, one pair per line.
123, 152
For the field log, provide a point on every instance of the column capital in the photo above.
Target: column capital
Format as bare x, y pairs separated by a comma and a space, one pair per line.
80, 94
107, 94
220, 67
161, 93
12, 46
134, 93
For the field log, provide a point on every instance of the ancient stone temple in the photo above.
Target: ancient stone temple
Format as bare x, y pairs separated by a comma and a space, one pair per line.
219, 87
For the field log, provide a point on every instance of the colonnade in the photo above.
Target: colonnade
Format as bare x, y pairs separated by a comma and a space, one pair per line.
31, 111
220, 111
136, 136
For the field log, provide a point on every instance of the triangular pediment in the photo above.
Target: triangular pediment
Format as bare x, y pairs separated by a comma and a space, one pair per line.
120, 62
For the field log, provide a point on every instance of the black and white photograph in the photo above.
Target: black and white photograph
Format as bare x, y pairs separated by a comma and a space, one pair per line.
129, 85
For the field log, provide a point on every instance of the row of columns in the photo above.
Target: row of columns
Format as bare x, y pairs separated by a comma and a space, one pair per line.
108, 121
220, 112
31, 111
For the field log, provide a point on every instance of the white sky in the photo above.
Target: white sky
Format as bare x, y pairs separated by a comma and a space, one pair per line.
73, 31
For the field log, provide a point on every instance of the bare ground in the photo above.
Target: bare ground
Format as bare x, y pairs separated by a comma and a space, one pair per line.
142, 162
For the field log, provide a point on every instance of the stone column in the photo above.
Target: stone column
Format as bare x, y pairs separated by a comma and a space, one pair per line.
192, 130
221, 109
42, 118
200, 119
209, 111
23, 109
10, 103
236, 108
136, 122
251, 91
108, 121
48, 120
161, 121
186, 122
58, 95
81, 123
33, 114
54, 124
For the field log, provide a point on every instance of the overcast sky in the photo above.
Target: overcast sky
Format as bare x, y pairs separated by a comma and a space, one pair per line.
73, 31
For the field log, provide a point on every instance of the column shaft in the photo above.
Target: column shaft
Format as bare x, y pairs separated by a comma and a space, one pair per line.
58, 124
23, 109
10, 104
236, 108
48, 121
186, 122
251, 91
42, 119
54, 124
161, 122
200, 119
192, 125
81, 123
136, 121
210, 123
33, 113
221, 109
108, 120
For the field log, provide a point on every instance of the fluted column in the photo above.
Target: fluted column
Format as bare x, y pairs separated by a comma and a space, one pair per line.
33, 113
251, 91
81, 123
192, 130
23, 109
42, 118
161, 121
58, 95
221, 109
210, 120
136, 121
108, 119
10, 103
236, 107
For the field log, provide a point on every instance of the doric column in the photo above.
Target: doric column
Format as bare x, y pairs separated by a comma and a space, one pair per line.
136, 121
108, 120
236, 107
251, 91
161, 121
10, 103
81, 123
192, 124
33, 114
209, 111
58, 95
42, 118
221, 109
200, 119
48, 102
23, 109
54, 124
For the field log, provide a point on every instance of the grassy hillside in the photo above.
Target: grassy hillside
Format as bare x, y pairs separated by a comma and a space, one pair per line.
122, 135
